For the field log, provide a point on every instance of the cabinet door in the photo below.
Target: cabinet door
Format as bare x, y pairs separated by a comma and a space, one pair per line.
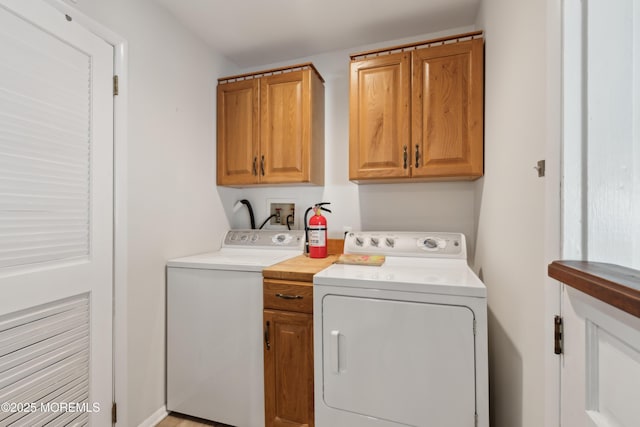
238, 132
379, 117
447, 111
285, 120
288, 369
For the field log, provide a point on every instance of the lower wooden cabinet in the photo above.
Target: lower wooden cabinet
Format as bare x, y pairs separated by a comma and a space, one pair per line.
288, 339
288, 353
288, 369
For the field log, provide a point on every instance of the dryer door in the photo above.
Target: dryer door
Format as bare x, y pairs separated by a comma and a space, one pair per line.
404, 362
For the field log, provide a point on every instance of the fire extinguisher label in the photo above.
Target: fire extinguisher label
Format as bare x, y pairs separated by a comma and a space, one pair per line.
317, 236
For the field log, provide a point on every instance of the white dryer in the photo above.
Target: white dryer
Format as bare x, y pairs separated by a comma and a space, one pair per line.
405, 343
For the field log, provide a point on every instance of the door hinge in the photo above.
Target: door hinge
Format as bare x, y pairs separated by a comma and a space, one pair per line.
114, 413
115, 85
541, 168
557, 335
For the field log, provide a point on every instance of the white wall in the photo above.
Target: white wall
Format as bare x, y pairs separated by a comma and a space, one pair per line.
172, 207
512, 208
437, 206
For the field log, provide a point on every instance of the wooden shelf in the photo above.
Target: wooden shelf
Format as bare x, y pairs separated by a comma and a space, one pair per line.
615, 285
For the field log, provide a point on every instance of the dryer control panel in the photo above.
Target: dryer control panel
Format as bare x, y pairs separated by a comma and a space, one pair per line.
264, 239
405, 243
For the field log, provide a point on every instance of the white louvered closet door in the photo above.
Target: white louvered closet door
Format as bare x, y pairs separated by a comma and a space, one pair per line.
56, 219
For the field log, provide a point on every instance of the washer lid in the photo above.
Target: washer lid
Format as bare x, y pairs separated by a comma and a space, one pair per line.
234, 259
446, 277
247, 250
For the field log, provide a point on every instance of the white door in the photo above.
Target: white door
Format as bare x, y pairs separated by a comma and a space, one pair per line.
56, 215
601, 201
407, 363
601, 364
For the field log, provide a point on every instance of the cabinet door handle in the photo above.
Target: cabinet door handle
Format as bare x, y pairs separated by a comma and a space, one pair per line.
255, 166
417, 155
404, 156
285, 296
262, 165
266, 337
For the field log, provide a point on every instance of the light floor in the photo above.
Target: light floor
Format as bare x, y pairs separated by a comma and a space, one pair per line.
179, 420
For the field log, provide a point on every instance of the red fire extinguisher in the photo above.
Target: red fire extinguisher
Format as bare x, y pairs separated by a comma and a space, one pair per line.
317, 233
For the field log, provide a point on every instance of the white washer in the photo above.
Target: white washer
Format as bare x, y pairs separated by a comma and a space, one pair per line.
403, 344
214, 326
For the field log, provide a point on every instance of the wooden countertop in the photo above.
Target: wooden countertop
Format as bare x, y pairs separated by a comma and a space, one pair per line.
612, 284
300, 268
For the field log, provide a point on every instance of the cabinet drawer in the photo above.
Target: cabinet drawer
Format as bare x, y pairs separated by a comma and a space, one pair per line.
282, 295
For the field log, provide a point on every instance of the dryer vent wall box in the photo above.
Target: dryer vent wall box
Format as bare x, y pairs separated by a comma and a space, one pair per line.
418, 342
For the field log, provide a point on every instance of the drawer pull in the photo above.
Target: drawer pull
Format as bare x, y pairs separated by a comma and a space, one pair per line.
285, 296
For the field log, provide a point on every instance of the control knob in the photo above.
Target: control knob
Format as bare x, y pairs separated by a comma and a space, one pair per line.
281, 239
430, 243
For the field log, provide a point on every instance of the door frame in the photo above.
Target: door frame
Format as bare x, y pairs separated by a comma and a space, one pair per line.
120, 143
553, 207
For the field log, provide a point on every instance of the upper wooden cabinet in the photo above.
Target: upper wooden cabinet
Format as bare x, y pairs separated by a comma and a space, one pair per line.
417, 114
271, 127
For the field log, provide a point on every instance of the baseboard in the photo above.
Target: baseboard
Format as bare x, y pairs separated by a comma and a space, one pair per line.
155, 418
